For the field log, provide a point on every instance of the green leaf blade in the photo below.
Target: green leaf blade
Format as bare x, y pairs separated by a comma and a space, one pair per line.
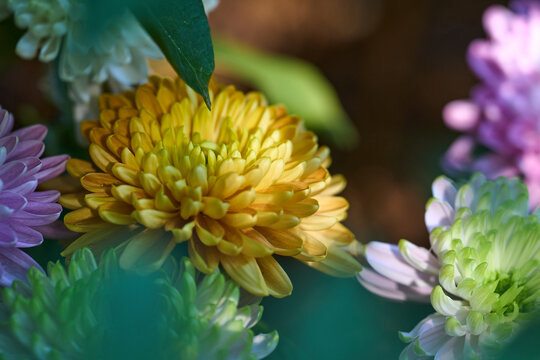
181, 30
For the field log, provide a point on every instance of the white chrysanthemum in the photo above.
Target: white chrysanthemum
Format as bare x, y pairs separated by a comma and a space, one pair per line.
481, 274
55, 28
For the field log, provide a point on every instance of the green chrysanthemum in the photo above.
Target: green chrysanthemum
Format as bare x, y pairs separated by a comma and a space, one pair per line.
481, 274
97, 311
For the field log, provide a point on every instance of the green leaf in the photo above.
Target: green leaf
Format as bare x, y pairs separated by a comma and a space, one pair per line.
297, 84
180, 28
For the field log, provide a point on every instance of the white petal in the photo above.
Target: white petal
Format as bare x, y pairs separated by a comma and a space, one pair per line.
419, 257
438, 213
387, 260
444, 189
382, 286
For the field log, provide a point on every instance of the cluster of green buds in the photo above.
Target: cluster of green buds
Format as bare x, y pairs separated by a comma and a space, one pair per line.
98, 311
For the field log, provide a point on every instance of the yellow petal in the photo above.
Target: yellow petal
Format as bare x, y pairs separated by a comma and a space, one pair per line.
150, 183
146, 251
337, 233
286, 221
95, 200
245, 272
152, 218
241, 220
302, 208
255, 244
227, 185
337, 263
99, 182
317, 222
284, 242
184, 233
116, 212
242, 199
72, 201
83, 220
97, 240
205, 258
277, 281
126, 174
78, 168
312, 250
210, 231
335, 206
124, 192
214, 207
101, 157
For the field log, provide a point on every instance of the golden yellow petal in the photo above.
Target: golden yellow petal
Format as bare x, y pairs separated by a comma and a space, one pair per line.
336, 185
337, 263
150, 183
317, 222
227, 185
240, 220
97, 239
145, 98
335, 206
205, 258
209, 231
242, 200
146, 251
128, 158
83, 220
125, 192
337, 233
302, 208
214, 207
78, 168
277, 281
98, 136
190, 207
152, 218
255, 244
284, 242
87, 126
72, 201
116, 212
286, 221
99, 182
313, 249
184, 233
101, 157
245, 272
272, 175
95, 200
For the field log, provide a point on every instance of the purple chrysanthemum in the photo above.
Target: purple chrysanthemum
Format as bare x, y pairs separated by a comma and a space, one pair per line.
503, 112
24, 212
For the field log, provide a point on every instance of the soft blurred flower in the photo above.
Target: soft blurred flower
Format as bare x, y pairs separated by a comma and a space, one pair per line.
240, 184
481, 274
24, 212
57, 28
97, 311
503, 112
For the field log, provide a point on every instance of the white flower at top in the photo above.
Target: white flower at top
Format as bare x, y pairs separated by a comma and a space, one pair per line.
55, 28
481, 274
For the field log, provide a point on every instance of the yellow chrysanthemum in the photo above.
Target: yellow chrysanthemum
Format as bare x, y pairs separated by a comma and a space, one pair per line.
240, 184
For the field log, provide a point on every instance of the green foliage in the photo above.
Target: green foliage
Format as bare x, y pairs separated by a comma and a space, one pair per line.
295, 83
98, 311
181, 30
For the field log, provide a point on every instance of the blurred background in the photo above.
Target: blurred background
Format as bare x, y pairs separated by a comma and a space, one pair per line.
393, 64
